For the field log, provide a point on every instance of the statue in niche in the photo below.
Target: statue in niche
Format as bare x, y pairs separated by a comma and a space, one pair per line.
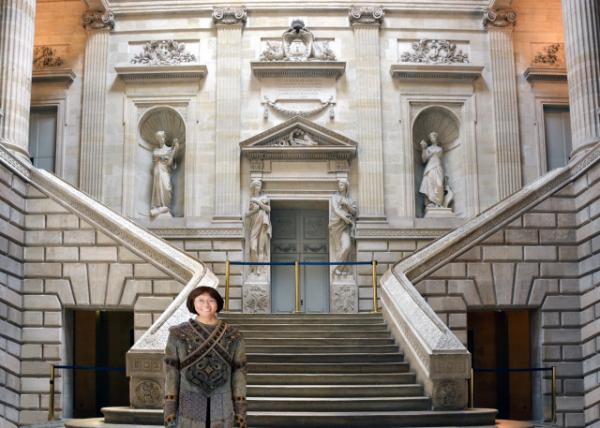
258, 223
163, 158
341, 225
434, 185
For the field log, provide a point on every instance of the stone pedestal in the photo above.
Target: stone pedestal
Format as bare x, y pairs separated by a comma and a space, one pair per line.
582, 39
365, 23
437, 212
343, 293
95, 86
256, 298
506, 117
17, 23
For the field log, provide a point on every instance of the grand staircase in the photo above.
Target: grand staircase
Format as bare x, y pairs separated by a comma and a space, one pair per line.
335, 371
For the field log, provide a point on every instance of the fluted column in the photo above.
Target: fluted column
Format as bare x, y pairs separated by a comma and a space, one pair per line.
17, 26
98, 25
508, 147
582, 39
229, 23
365, 23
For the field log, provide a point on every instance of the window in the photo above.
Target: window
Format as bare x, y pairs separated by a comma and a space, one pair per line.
42, 137
558, 136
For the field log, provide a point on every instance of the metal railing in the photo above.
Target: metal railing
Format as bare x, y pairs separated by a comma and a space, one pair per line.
297, 264
55, 367
516, 370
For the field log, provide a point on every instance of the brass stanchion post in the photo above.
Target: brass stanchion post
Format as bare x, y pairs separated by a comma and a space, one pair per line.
553, 394
471, 389
227, 274
297, 272
374, 279
51, 398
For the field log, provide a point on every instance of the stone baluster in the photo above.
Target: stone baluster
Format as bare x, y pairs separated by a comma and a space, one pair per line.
229, 23
365, 23
506, 117
95, 86
582, 39
17, 26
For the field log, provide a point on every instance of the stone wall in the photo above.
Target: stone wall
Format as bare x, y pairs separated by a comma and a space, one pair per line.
12, 237
547, 261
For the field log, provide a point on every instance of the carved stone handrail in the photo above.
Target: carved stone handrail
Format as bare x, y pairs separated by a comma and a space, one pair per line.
145, 244
442, 363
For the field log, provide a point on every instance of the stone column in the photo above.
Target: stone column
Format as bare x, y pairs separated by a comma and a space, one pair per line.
365, 23
17, 26
582, 41
229, 23
506, 117
98, 25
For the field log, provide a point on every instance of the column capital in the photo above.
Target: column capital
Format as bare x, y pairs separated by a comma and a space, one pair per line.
230, 15
366, 15
499, 18
98, 19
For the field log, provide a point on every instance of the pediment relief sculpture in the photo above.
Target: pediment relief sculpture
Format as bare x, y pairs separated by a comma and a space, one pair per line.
551, 55
297, 44
46, 57
431, 51
163, 52
297, 137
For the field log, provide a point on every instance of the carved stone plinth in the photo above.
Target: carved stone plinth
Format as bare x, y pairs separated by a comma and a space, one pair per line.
256, 297
344, 294
435, 212
146, 379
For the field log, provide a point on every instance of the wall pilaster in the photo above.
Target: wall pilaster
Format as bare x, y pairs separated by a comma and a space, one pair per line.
582, 38
98, 25
17, 25
506, 117
365, 23
229, 23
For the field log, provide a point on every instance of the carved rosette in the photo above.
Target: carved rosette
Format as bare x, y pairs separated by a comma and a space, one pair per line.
98, 20
499, 17
366, 15
229, 15
148, 393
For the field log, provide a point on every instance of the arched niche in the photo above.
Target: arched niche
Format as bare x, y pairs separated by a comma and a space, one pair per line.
442, 120
170, 121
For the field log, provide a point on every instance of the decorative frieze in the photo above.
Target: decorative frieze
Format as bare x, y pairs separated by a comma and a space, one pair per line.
163, 52
45, 56
499, 17
229, 15
366, 15
430, 51
552, 55
98, 20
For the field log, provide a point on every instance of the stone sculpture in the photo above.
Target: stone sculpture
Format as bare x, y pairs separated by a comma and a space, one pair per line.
297, 44
341, 225
258, 223
163, 158
428, 51
434, 185
163, 52
297, 137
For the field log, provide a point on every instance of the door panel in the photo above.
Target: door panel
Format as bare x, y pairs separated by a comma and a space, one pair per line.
300, 235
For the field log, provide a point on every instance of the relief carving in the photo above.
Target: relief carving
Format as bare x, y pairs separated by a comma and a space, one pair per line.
279, 108
98, 20
552, 55
344, 298
297, 44
148, 392
430, 51
230, 15
297, 138
256, 299
499, 17
163, 52
366, 15
45, 56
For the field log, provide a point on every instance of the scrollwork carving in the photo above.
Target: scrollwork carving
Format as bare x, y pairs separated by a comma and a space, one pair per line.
230, 15
429, 51
98, 20
366, 15
45, 56
499, 17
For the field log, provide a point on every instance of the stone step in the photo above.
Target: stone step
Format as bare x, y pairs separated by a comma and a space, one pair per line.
336, 404
330, 378
234, 316
326, 357
392, 419
341, 368
331, 341
356, 328
339, 349
311, 334
240, 321
368, 390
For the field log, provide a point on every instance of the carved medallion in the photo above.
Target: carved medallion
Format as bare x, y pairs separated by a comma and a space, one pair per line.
148, 392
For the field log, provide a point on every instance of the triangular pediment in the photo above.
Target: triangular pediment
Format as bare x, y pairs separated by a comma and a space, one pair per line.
298, 138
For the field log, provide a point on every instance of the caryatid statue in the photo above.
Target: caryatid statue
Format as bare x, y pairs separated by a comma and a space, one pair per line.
342, 220
258, 223
434, 185
163, 158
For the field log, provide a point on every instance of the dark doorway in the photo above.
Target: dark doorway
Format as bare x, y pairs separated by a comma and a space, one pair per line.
501, 339
100, 339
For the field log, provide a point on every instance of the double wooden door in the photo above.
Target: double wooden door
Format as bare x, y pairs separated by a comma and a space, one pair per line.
300, 234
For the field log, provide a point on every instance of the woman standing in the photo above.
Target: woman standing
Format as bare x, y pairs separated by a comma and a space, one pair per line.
163, 158
259, 225
341, 222
432, 185
205, 365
